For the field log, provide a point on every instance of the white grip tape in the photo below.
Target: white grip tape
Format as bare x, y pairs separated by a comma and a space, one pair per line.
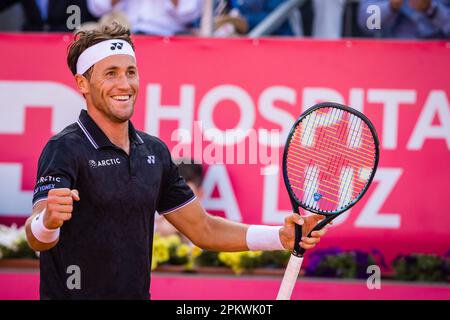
42, 233
290, 278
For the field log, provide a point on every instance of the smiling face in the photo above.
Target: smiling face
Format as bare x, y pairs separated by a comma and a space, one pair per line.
112, 87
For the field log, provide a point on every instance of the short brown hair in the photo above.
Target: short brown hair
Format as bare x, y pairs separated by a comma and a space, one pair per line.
86, 39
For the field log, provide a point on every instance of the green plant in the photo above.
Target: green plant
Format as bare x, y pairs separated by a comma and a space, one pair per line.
13, 243
209, 259
172, 251
275, 259
179, 254
244, 261
241, 261
335, 263
20, 250
421, 267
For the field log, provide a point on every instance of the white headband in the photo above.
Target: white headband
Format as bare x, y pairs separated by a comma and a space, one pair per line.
100, 51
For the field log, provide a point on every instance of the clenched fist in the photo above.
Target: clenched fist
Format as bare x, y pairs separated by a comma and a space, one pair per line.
287, 233
59, 207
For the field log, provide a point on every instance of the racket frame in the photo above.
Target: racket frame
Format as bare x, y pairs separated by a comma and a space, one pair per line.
294, 201
296, 259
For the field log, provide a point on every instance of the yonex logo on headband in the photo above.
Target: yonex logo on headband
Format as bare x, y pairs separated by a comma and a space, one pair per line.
100, 51
117, 45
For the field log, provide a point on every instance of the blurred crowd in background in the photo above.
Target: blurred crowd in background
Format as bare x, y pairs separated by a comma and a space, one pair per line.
323, 19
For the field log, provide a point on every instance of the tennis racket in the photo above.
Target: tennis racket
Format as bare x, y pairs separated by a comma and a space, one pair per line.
329, 161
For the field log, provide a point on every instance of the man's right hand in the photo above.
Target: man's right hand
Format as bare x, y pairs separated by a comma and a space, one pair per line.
59, 207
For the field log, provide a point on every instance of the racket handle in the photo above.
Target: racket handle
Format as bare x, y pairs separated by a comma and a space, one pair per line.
290, 278
297, 251
301, 252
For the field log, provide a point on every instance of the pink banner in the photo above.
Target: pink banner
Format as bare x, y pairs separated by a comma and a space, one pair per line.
194, 91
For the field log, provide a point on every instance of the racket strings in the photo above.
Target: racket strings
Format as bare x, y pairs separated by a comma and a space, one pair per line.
335, 156
330, 159
334, 163
311, 177
363, 155
329, 170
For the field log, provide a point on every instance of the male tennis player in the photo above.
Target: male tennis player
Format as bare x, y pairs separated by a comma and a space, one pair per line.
100, 182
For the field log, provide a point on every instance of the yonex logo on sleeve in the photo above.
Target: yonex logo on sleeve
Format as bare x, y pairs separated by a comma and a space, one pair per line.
44, 188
